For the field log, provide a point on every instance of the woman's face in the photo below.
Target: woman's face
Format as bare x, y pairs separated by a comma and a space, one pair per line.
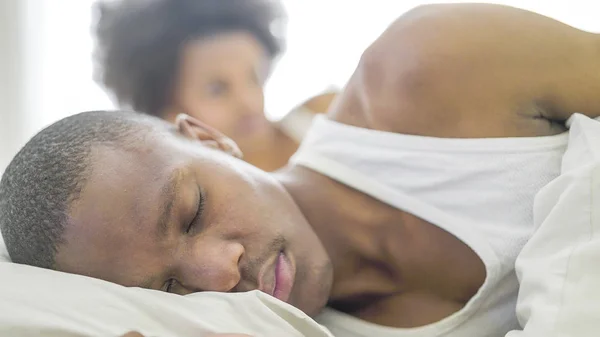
220, 82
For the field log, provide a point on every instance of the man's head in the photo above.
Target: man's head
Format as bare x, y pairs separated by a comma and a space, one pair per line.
136, 201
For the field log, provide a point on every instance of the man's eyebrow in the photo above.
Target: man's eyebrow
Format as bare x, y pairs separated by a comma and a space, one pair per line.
167, 195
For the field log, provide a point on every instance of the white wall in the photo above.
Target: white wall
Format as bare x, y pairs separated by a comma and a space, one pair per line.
46, 66
326, 38
12, 128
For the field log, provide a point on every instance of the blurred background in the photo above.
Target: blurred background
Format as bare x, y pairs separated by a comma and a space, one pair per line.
46, 46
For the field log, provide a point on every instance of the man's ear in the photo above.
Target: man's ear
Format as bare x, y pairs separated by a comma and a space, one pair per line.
196, 130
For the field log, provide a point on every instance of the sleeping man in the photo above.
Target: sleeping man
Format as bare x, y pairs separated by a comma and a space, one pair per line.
402, 212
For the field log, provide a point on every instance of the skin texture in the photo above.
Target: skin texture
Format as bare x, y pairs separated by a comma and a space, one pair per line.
440, 71
220, 82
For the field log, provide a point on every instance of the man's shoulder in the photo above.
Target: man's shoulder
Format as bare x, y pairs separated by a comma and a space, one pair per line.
454, 70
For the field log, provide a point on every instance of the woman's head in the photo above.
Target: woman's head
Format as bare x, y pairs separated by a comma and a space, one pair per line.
207, 58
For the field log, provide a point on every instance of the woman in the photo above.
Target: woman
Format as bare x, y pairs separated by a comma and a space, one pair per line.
207, 58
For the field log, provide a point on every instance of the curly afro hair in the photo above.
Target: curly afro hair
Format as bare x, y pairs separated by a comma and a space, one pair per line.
139, 41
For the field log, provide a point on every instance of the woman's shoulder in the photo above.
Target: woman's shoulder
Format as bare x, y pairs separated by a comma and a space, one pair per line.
296, 122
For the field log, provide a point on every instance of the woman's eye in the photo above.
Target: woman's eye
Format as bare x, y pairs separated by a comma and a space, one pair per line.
217, 89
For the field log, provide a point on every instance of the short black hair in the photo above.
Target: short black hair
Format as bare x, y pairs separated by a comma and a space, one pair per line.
47, 175
138, 42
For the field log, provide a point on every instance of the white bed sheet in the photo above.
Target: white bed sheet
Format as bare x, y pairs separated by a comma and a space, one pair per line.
559, 268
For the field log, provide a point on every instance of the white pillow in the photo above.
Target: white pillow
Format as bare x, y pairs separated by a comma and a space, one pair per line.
559, 268
39, 302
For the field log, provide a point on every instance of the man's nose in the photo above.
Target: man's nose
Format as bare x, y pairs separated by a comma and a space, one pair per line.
211, 265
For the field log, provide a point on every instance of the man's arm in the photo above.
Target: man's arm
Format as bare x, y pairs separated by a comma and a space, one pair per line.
476, 67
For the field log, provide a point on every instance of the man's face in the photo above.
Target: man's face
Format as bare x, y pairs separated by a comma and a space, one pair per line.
171, 214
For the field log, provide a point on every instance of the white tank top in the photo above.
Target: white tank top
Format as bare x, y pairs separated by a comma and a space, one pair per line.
479, 190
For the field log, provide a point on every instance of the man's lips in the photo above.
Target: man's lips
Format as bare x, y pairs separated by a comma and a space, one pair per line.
277, 278
284, 278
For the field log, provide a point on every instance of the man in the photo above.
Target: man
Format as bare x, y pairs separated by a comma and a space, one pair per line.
395, 211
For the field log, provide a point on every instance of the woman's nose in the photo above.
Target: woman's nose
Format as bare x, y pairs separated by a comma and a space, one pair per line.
250, 102
212, 265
